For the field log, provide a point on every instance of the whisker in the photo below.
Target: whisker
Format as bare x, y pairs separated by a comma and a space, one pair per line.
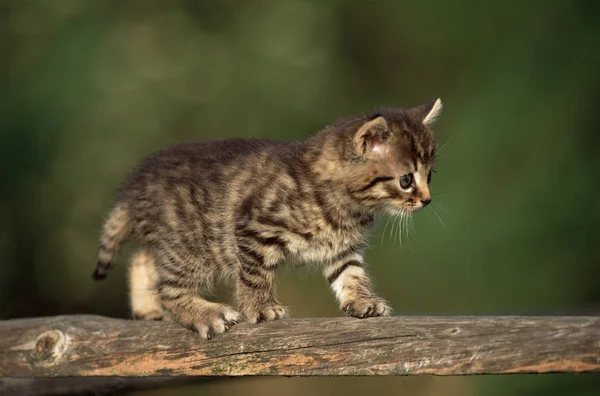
400, 220
439, 151
407, 220
406, 225
398, 223
442, 207
440, 219
384, 229
402, 226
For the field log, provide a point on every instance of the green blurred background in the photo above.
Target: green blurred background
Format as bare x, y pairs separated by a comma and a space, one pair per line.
91, 87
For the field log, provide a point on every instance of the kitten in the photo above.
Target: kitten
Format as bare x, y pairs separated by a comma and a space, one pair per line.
240, 207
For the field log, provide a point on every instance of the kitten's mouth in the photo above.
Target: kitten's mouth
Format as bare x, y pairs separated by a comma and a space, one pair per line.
412, 208
403, 211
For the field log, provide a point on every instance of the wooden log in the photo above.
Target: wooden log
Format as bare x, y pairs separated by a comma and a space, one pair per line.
98, 346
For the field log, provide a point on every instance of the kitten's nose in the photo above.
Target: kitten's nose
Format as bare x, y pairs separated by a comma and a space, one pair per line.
425, 201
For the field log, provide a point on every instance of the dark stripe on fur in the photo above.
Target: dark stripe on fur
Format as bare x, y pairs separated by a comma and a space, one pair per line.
251, 269
170, 297
352, 249
250, 283
374, 182
326, 211
270, 241
254, 256
332, 278
272, 222
413, 149
174, 271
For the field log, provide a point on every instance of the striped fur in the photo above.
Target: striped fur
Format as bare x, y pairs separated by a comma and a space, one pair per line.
238, 208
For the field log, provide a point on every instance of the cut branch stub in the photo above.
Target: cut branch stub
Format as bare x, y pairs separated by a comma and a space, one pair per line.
48, 348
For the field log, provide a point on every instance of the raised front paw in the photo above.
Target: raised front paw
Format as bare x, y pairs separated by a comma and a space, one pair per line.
265, 313
366, 307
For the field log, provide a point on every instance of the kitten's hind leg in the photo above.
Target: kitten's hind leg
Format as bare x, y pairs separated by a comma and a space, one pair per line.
143, 292
177, 287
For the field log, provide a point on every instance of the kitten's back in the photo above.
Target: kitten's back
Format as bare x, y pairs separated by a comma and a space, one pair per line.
211, 160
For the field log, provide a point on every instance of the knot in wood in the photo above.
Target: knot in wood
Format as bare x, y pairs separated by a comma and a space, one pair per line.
49, 346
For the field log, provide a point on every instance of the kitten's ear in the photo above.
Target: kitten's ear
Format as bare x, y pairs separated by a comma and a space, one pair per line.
371, 136
430, 112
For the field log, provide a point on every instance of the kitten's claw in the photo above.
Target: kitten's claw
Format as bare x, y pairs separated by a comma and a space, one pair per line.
367, 307
215, 320
266, 313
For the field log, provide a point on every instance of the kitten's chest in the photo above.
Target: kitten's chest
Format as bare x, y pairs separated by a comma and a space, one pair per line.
325, 245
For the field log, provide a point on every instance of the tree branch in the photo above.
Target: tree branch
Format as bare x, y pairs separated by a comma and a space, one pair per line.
98, 346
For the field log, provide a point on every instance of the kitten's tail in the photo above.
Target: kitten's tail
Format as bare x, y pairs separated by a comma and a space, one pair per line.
116, 231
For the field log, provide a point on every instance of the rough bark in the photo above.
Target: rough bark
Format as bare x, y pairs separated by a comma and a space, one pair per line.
98, 346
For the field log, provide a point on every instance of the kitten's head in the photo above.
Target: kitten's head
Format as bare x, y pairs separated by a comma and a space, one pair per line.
390, 157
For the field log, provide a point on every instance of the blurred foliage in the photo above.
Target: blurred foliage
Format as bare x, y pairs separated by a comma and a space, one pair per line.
88, 88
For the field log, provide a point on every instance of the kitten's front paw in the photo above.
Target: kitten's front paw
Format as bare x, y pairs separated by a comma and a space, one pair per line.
215, 319
265, 313
366, 307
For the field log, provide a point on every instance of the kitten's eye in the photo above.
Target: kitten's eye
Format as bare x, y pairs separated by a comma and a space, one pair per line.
406, 180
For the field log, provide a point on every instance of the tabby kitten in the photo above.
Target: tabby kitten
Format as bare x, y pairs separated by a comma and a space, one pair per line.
239, 207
